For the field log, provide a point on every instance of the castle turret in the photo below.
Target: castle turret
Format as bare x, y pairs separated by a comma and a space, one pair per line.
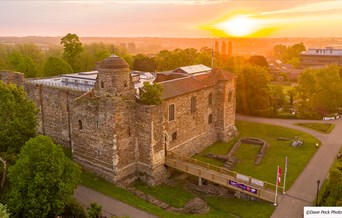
102, 123
113, 78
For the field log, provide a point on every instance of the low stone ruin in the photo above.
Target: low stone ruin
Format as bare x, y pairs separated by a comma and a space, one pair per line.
194, 206
230, 160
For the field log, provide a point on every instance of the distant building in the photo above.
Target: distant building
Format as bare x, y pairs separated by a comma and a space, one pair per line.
320, 57
194, 69
281, 71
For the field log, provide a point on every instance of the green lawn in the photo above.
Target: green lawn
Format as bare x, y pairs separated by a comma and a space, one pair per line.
319, 127
220, 207
240, 208
174, 196
275, 154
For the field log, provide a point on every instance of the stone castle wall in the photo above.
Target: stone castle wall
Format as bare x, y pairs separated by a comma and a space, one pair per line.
150, 143
192, 129
12, 77
55, 106
120, 139
225, 124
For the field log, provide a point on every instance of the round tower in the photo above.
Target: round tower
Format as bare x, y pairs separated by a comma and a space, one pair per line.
113, 78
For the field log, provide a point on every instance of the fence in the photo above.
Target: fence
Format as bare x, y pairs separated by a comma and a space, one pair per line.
222, 176
61, 85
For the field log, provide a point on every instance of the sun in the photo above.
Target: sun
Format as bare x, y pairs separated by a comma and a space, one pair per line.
238, 26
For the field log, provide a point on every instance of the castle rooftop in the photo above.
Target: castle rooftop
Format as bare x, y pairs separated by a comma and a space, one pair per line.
113, 62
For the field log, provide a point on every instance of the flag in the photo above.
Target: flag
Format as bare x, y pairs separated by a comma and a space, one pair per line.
279, 175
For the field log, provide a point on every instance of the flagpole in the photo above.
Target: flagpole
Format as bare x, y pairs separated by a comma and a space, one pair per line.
276, 194
286, 163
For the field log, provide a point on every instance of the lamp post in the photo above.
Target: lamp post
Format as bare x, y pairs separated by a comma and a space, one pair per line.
317, 192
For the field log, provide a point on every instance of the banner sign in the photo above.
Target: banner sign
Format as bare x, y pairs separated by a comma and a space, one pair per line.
243, 187
257, 182
242, 177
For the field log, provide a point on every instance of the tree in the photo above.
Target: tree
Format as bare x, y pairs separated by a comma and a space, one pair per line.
42, 179
253, 94
319, 91
294, 61
289, 54
151, 94
277, 97
332, 189
204, 56
279, 51
3, 211
93, 53
94, 211
143, 63
73, 209
23, 64
72, 50
258, 60
17, 118
56, 66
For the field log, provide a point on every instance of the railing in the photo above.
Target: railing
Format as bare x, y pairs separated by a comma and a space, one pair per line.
59, 84
221, 175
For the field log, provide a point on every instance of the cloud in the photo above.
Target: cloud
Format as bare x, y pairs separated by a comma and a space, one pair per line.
171, 2
309, 8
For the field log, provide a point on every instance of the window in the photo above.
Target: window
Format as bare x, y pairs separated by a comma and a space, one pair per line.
174, 136
102, 84
193, 104
86, 82
210, 118
230, 96
171, 112
80, 127
97, 124
210, 99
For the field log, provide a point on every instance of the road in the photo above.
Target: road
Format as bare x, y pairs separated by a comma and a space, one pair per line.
110, 206
303, 191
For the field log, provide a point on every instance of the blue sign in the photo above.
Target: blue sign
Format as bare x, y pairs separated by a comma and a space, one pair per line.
243, 187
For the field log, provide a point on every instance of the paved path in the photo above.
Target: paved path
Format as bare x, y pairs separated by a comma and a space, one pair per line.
303, 190
110, 206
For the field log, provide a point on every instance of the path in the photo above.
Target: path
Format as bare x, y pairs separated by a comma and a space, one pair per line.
110, 206
303, 190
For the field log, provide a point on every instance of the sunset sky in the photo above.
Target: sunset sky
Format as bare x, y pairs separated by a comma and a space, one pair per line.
178, 18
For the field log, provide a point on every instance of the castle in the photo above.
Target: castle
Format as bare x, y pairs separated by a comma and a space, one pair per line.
111, 133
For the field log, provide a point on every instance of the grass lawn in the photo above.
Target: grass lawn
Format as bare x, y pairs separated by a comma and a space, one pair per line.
220, 207
174, 196
241, 208
319, 127
275, 154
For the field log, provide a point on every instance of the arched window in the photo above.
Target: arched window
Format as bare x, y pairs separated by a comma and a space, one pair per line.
171, 112
80, 127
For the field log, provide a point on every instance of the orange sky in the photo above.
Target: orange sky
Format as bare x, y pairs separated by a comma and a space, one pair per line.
166, 18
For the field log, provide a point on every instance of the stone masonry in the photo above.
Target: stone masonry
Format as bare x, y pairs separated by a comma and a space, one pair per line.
117, 137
